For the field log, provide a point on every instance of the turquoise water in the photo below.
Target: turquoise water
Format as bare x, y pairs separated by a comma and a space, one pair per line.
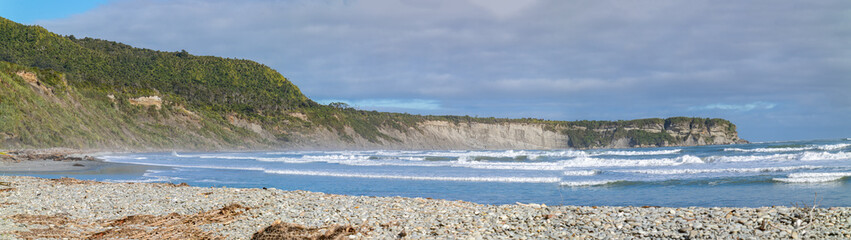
759, 174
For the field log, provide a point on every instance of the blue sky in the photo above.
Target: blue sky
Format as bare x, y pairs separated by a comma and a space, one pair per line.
780, 70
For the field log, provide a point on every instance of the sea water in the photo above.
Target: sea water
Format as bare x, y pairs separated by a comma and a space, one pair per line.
747, 175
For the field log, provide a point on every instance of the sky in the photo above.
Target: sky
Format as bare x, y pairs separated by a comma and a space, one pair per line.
779, 70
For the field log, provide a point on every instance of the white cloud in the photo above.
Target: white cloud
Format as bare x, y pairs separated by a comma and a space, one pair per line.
607, 58
736, 107
505, 8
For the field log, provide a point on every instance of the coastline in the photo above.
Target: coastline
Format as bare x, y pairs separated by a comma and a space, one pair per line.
56, 208
59, 160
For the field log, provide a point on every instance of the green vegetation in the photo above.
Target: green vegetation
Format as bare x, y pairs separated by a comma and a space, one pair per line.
70, 92
31, 116
202, 81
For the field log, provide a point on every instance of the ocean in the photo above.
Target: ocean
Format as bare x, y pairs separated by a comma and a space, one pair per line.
746, 175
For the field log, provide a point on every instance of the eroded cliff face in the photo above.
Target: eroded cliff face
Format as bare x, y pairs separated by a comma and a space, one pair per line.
475, 135
691, 134
442, 135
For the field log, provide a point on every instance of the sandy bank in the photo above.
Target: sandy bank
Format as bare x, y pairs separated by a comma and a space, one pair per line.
35, 207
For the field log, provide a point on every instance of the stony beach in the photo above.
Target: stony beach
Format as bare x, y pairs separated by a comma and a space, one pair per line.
68, 208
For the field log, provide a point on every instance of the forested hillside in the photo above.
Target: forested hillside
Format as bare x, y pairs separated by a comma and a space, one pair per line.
216, 83
62, 91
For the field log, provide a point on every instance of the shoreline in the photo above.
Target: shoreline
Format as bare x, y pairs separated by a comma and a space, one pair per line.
47, 161
36, 207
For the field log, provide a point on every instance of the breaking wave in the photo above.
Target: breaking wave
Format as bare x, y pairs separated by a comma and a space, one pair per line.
717, 170
426, 178
814, 177
830, 147
588, 183
639, 153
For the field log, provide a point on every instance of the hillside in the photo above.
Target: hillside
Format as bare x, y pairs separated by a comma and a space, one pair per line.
60, 91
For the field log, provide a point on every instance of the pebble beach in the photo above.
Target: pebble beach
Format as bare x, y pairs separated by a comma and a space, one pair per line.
33, 207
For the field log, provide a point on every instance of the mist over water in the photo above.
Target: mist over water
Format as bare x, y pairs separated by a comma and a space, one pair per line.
760, 174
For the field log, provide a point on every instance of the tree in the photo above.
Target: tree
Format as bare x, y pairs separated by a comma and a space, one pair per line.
183, 53
340, 105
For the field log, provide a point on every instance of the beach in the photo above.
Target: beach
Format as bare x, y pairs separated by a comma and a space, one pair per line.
68, 208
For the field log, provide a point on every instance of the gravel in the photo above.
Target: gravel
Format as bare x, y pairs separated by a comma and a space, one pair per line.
392, 217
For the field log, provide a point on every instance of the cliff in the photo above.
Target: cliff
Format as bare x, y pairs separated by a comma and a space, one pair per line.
58, 91
445, 134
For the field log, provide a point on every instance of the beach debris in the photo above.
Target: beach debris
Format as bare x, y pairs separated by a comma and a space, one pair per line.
170, 226
72, 181
282, 230
802, 217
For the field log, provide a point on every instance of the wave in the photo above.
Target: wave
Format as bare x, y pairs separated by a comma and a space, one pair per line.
833, 146
816, 156
830, 147
425, 178
509, 154
462, 154
749, 158
588, 183
638, 153
717, 170
581, 172
602, 162
804, 156
770, 150
814, 177
149, 177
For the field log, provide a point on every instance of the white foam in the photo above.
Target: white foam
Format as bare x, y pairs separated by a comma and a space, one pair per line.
426, 178
774, 157
792, 149
602, 162
149, 178
532, 155
770, 150
580, 162
689, 159
546, 166
587, 183
357, 161
834, 146
581, 173
816, 156
716, 170
463, 162
804, 156
813, 177
639, 153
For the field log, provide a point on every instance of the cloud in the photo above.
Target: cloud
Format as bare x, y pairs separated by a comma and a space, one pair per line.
736, 107
367, 104
612, 59
505, 8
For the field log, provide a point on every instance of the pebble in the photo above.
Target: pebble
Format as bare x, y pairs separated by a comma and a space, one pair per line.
417, 218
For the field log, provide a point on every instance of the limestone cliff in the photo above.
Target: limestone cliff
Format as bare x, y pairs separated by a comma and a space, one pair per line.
443, 135
437, 134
